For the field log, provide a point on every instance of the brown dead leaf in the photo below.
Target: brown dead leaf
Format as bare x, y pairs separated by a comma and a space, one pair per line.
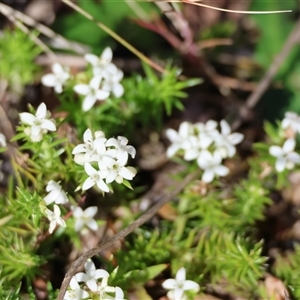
167, 212
275, 288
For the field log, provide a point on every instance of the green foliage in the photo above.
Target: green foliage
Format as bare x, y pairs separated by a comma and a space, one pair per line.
74, 26
145, 102
17, 53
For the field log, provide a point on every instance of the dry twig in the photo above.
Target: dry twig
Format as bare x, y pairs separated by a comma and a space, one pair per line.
126, 231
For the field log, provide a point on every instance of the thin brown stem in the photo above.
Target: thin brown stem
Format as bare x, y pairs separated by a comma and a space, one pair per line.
137, 223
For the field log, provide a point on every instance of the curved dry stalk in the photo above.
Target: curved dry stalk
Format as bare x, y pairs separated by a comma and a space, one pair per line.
195, 2
17, 15
129, 229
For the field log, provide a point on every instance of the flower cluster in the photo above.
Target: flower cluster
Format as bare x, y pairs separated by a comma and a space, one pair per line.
38, 124
87, 284
106, 79
57, 196
104, 160
179, 285
286, 157
205, 143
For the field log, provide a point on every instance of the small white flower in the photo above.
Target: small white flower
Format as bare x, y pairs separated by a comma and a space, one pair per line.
95, 177
2, 140
54, 218
91, 276
57, 79
56, 194
85, 218
104, 291
226, 141
75, 292
92, 92
179, 285
111, 82
211, 164
292, 121
39, 124
92, 149
286, 157
118, 172
121, 149
101, 63
179, 140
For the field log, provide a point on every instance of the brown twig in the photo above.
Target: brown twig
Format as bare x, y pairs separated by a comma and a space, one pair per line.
253, 99
137, 223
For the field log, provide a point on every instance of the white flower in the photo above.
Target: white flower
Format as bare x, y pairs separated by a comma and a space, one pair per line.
75, 292
54, 218
92, 149
121, 149
101, 63
95, 177
226, 141
104, 291
56, 194
39, 124
179, 140
118, 172
286, 157
111, 82
179, 285
211, 164
85, 218
91, 276
92, 92
2, 140
292, 121
57, 79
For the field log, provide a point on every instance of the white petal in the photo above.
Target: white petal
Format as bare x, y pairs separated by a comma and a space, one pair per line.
27, 118
89, 266
225, 128
119, 294
41, 111
79, 224
91, 211
289, 145
88, 102
91, 58
275, 151
77, 212
100, 273
92, 224
57, 68
92, 285
221, 170
280, 164
107, 54
102, 95
81, 277
49, 80
88, 184
81, 89
89, 169
208, 175
172, 135
79, 149
49, 125
169, 284
191, 285
180, 275
293, 157
235, 138
95, 82
118, 90
102, 186
88, 136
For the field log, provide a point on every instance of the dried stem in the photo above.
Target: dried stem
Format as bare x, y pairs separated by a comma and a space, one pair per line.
137, 223
253, 99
